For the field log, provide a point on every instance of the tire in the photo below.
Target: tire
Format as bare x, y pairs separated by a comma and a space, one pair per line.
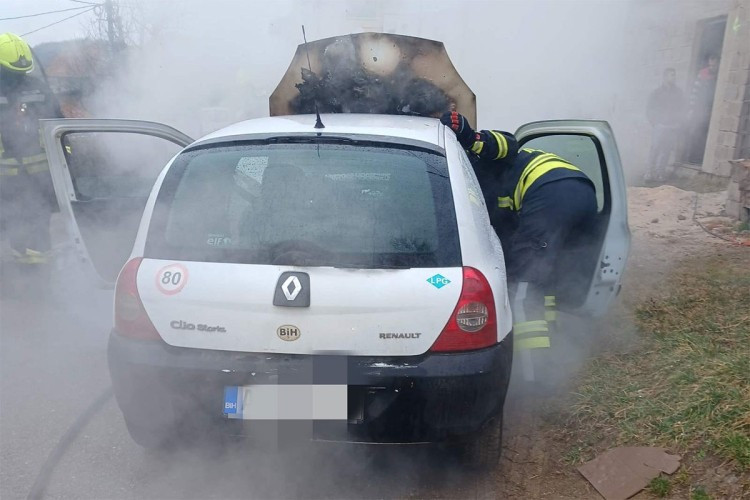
181, 435
484, 450
150, 439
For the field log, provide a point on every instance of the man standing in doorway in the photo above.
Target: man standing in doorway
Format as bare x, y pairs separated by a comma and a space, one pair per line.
666, 112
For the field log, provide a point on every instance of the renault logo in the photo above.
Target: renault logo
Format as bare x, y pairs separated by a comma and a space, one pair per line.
292, 290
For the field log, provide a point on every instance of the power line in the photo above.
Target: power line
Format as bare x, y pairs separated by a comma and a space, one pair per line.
43, 13
61, 20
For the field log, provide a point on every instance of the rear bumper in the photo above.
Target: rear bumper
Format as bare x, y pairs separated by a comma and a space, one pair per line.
432, 397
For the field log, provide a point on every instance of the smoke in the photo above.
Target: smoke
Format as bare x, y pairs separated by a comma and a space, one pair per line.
208, 65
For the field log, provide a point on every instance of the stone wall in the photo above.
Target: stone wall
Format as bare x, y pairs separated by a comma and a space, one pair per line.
729, 118
738, 194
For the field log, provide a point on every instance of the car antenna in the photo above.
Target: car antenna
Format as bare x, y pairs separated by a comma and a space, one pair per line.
318, 121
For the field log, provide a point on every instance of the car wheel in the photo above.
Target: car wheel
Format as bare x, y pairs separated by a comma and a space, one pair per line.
483, 451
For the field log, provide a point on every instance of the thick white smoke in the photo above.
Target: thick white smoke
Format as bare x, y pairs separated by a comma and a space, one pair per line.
211, 63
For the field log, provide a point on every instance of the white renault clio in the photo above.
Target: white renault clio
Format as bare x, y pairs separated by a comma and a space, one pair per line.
347, 277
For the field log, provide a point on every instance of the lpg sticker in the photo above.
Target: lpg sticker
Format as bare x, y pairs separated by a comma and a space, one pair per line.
171, 279
438, 281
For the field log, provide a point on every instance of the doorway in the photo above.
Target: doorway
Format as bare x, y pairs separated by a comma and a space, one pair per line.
702, 86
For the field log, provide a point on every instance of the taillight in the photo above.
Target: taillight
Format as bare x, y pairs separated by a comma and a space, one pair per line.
473, 324
131, 319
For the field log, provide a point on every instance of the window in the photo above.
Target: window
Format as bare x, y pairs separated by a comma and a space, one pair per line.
307, 204
581, 151
105, 165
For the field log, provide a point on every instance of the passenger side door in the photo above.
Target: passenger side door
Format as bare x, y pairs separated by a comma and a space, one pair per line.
103, 172
593, 269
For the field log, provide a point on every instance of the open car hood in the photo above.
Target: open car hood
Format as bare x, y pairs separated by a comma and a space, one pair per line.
373, 73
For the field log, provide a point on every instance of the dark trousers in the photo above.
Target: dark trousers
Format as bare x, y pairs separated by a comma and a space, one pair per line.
554, 217
26, 204
664, 139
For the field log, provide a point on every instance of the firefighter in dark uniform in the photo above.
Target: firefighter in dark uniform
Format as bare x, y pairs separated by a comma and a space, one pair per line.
538, 203
27, 197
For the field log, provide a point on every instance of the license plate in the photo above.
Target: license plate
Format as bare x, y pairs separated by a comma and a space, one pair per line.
286, 402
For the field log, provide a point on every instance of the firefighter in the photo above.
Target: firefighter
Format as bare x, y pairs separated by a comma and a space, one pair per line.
539, 204
27, 197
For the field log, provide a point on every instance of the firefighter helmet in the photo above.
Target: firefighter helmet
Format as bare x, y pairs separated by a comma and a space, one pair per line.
15, 54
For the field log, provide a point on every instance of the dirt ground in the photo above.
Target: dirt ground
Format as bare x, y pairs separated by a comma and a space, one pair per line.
537, 461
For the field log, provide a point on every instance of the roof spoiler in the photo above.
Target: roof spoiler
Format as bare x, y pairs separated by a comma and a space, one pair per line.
373, 73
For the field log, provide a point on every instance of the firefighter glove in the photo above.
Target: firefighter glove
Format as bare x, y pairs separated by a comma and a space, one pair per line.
460, 125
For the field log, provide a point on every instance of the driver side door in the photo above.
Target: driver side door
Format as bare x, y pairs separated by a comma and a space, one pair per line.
592, 273
103, 172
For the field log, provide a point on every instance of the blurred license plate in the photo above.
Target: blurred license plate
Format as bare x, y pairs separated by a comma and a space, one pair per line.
286, 402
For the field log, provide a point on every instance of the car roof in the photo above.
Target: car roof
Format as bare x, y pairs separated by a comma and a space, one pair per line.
412, 128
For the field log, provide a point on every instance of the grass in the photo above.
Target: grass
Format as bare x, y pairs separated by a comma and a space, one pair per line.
687, 387
660, 486
699, 493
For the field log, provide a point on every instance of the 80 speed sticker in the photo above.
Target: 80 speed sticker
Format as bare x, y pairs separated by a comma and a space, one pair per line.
171, 279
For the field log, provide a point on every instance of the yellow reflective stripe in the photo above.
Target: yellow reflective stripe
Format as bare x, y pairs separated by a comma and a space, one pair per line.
504, 202
31, 257
549, 301
517, 195
543, 169
550, 315
31, 169
524, 327
33, 159
531, 343
535, 169
502, 144
38, 168
31, 260
27, 160
8, 171
68, 150
477, 146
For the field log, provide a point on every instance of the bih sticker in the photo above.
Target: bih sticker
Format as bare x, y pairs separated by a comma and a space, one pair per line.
171, 279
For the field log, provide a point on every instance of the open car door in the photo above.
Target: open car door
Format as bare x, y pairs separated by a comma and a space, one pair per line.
594, 269
103, 172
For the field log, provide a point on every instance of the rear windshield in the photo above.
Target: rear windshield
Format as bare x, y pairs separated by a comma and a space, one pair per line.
341, 205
